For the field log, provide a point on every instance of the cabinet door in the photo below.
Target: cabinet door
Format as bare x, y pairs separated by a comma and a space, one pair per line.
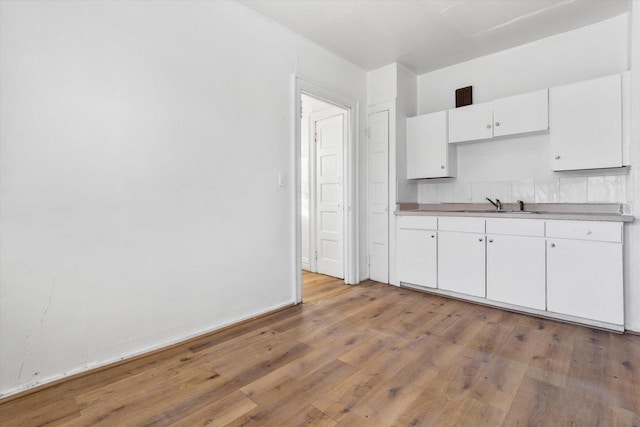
528, 112
461, 261
416, 257
584, 279
585, 124
427, 146
516, 270
470, 123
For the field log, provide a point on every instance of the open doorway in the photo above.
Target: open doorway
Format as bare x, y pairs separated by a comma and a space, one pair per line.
324, 134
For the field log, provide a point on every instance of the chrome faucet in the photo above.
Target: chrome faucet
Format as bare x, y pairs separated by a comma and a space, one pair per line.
497, 203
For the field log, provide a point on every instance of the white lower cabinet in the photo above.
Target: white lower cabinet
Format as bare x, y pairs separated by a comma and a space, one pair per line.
584, 277
461, 261
416, 250
516, 270
572, 268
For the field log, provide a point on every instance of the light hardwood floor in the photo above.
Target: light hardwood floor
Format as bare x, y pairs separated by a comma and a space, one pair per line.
317, 286
369, 355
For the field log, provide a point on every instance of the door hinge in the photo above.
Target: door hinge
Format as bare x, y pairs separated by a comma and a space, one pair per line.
369, 259
315, 137
316, 255
368, 132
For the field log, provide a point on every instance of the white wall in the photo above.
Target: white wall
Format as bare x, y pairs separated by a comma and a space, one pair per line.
140, 148
632, 231
406, 106
518, 168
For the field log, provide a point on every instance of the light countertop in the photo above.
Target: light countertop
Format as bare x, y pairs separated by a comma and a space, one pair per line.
553, 211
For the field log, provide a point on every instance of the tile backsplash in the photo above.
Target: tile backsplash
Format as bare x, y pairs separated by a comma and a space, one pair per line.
572, 189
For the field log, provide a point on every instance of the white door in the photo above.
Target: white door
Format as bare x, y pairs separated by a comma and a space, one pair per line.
379, 196
329, 136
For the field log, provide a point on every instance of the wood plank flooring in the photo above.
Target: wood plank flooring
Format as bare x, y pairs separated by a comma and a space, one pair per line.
366, 355
317, 286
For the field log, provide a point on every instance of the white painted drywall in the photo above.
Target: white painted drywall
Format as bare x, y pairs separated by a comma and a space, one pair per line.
406, 106
592, 51
382, 84
632, 231
518, 168
141, 144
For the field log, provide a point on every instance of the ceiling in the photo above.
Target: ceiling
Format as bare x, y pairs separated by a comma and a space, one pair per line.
425, 35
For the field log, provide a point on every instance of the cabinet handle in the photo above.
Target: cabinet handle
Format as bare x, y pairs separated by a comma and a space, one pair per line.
553, 245
480, 239
497, 123
557, 157
488, 126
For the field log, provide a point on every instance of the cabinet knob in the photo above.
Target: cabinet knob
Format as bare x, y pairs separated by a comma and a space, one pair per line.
432, 236
441, 166
488, 126
588, 232
480, 239
497, 123
553, 245
557, 157
490, 240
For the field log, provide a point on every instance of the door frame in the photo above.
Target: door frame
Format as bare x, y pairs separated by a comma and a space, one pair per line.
313, 176
305, 85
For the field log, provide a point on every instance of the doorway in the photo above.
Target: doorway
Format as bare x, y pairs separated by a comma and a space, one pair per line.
325, 194
324, 130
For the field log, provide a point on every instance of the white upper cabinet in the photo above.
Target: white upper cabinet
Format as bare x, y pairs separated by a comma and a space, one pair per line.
528, 112
428, 153
586, 124
471, 123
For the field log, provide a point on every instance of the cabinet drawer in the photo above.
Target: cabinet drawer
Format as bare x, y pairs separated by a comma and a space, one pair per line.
418, 222
515, 227
465, 225
586, 230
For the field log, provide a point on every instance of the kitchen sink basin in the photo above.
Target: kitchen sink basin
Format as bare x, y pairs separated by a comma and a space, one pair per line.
509, 211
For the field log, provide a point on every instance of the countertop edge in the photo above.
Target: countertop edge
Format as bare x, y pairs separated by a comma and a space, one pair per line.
547, 215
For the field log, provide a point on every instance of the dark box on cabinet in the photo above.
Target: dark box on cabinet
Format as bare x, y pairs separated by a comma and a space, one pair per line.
463, 96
